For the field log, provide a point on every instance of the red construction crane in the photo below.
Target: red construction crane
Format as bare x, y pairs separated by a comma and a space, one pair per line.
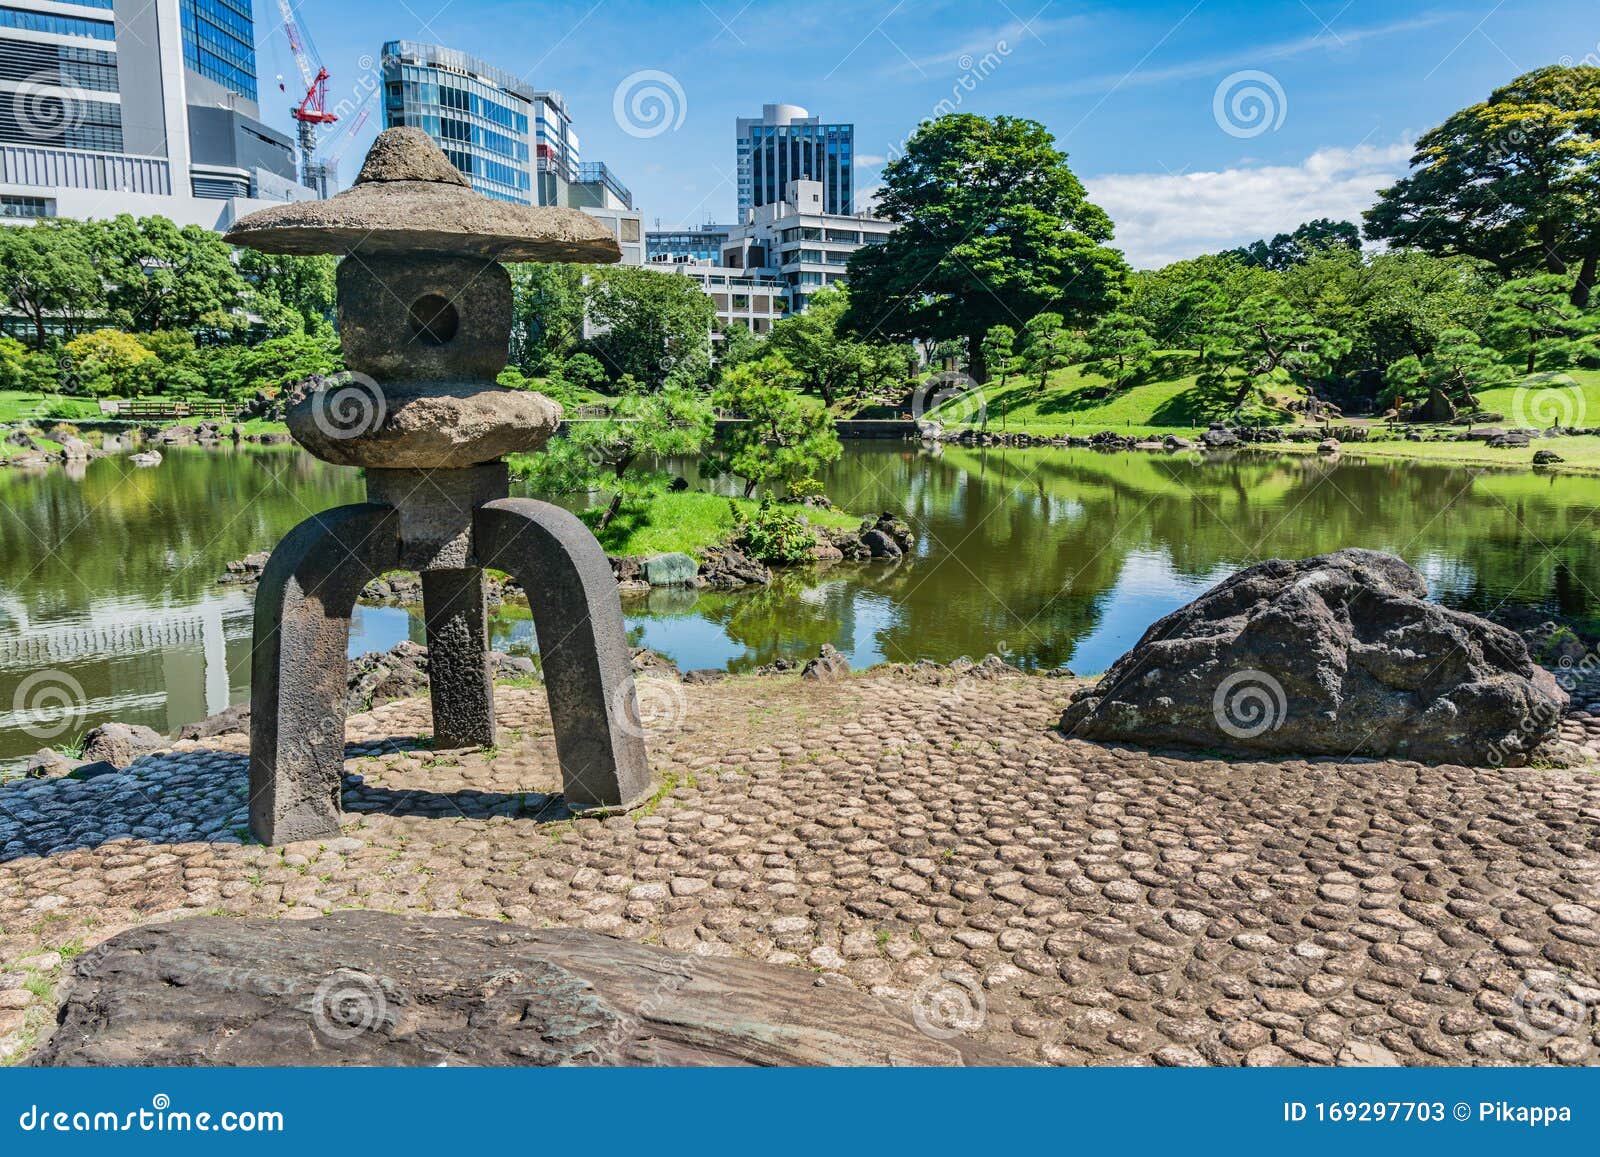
313, 109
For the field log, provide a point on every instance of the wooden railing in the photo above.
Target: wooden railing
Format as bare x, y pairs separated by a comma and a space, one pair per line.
140, 409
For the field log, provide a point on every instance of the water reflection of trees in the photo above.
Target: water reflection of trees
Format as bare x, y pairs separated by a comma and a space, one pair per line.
165, 532
1033, 540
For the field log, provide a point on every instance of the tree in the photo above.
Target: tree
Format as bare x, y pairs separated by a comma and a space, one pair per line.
739, 345
1182, 303
647, 322
48, 275
1388, 306
1511, 180
783, 438
1264, 342
1287, 250
612, 454
1000, 351
160, 276
547, 302
1120, 348
13, 363
273, 365
107, 361
584, 371
1535, 322
831, 363
290, 294
1458, 365
993, 226
1046, 346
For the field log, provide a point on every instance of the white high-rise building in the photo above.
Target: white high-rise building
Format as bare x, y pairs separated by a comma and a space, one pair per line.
797, 242
786, 143
144, 107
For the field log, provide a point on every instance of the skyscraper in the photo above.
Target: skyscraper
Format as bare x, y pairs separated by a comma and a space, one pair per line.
786, 143
150, 108
480, 115
508, 139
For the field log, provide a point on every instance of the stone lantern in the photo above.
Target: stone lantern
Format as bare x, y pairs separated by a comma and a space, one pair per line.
424, 307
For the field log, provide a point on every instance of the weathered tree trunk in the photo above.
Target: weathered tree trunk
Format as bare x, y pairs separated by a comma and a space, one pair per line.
1584, 285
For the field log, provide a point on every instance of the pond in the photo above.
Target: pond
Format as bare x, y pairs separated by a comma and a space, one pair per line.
110, 608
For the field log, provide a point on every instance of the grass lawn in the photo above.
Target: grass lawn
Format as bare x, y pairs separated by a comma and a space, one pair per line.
689, 521
1074, 402
15, 405
1570, 398
25, 406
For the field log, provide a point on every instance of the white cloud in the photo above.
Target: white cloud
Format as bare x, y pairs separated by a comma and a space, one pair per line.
1166, 217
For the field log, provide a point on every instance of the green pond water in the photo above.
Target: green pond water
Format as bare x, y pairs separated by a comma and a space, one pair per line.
110, 608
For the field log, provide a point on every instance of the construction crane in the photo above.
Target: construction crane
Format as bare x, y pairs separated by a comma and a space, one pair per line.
330, 164
312, 111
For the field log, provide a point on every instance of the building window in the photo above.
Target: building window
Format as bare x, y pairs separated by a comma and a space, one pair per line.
26, 206
630, 229
60, 25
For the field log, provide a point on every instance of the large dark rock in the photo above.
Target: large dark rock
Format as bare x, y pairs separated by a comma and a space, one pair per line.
1334, 655
371, 988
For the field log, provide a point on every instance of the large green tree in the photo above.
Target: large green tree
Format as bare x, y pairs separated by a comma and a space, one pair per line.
48, 275
783, 437
290, 294
647, 324
547, 311
1119, 348
832, 363
1513, 180
993, 226
1264, 343
161, 276
1535, 324
1287, 250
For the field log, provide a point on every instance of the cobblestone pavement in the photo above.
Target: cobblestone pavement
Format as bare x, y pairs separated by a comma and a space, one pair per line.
932, 840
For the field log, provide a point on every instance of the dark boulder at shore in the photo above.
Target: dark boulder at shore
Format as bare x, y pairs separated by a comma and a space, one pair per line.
1339, 655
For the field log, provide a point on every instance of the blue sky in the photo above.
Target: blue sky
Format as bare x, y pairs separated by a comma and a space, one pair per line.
1196, 125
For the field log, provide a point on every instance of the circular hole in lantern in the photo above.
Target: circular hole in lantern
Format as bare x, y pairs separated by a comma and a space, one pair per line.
434, 320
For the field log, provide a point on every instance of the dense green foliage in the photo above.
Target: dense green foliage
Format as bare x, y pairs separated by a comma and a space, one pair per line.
773, 533
993, 226
783, 439
1513, 181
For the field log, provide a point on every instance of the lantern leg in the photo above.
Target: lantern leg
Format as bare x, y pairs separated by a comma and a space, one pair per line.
455, 605
298, 667
583, 645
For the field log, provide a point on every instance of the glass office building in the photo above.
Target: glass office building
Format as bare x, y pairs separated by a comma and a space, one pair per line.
786, 143
219, 42
478, 114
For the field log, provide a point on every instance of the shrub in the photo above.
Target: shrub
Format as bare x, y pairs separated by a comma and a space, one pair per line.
772, 534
